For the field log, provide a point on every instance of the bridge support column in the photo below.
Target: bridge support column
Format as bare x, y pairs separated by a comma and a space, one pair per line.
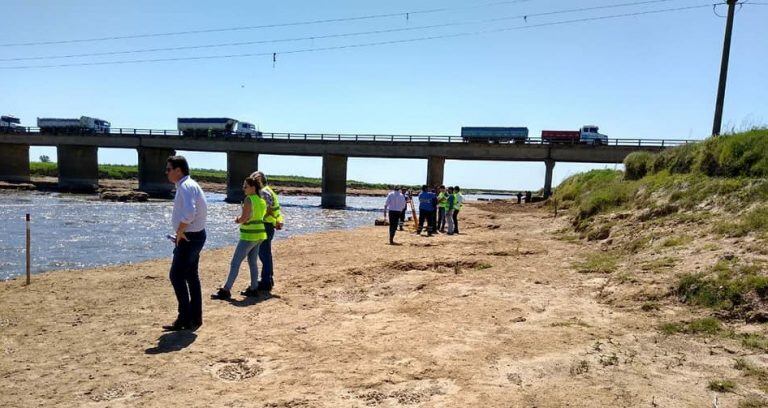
334, 193
435, 170
548, 178
239, 166
78, 168
152, 178
14, 163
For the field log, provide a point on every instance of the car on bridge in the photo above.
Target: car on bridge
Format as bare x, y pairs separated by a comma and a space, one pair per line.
588, 134
216, 127
486, 134
85, 124
10, 124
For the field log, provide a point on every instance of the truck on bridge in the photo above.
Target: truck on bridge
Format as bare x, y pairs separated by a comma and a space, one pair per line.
588, 134
487, 134
213, 127
85, 124
10, 123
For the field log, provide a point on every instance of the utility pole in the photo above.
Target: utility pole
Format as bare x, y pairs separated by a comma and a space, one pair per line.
724, 68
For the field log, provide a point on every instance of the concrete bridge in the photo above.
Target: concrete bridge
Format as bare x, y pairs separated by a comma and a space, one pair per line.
78, 155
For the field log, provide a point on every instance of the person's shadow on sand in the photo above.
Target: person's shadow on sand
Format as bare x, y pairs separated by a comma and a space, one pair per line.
172, 341
250, 301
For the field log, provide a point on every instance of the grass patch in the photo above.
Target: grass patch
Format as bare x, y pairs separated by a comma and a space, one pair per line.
650, 307
671, 328
755, 220
749, 370
722, 385
755, 341
598, 262
637, 244
753, 401
707, 325
676, 241
638, 164
569, 323
659, 265
725, 287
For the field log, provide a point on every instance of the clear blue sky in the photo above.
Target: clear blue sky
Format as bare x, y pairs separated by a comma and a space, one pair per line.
651, 76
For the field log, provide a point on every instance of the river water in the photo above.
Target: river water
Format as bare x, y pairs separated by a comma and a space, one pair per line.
82, 231
76, 231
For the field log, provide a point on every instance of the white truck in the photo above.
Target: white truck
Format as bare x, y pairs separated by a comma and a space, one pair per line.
590, 134
10, 123
83, 125
214, 127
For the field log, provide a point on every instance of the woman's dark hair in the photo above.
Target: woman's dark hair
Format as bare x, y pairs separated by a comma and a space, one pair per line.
179, 162
254, 182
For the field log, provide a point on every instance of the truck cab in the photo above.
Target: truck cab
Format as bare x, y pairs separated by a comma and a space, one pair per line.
590, 134
10, 123
247, 130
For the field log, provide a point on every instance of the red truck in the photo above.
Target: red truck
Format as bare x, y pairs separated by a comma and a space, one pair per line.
561, 136
589, 134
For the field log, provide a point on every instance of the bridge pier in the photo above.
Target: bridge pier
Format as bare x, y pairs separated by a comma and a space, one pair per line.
14, 163
548, 177
334, 194
435, 170
152, 177
239, 166
78, 168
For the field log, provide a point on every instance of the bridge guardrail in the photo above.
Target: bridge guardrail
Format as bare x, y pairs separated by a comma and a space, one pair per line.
339, 137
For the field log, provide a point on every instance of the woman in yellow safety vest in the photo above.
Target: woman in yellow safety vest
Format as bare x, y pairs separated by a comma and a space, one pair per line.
252, 234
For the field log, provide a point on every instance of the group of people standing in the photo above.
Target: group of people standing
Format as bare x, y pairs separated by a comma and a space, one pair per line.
259, 218
439, 208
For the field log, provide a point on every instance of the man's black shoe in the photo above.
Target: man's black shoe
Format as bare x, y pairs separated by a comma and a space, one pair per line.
222, 294
176, 326
248, 292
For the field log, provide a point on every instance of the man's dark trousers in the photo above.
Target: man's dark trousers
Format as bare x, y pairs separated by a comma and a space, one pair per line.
394, 218
429, 217
265, 256
185, 278
456, 221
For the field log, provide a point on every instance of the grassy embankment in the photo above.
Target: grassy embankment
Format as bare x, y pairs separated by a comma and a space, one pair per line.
126, 172
685, 227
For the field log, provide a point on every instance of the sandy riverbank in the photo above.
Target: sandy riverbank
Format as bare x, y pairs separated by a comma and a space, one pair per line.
495, 317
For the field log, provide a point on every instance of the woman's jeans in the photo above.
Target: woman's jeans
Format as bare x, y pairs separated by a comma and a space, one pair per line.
449, 218
249, 249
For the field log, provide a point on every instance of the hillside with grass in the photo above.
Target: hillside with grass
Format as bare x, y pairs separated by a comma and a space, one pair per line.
682, 235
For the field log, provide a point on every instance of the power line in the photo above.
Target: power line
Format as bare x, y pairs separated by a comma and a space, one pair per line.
368, 44
351, 34
406, 14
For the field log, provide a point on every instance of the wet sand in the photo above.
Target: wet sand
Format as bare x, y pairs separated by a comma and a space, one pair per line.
494, 317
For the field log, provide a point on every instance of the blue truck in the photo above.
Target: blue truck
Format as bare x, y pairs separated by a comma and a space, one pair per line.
488, 134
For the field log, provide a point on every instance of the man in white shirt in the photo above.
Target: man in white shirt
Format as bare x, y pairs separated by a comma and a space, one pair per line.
188, 220
394, 207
